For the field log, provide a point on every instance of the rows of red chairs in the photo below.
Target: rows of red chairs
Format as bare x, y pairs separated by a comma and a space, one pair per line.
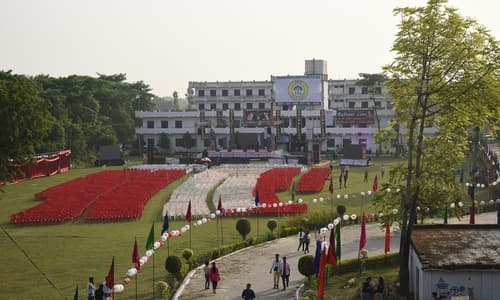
286, 209
313, 180
273, 181
127, 201
127, 189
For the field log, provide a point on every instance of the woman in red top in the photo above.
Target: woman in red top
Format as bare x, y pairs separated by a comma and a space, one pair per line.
214, 276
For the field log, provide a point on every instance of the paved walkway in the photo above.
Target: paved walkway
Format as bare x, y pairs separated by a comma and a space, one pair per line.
251, 265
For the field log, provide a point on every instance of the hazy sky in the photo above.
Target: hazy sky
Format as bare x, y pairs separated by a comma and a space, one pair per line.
167, 43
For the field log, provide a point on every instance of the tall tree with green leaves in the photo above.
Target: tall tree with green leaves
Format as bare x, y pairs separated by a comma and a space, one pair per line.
445, 75
24, 121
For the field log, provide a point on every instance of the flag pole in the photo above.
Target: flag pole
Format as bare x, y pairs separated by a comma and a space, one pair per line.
221, 232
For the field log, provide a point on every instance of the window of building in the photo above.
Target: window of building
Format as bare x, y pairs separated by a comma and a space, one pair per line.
201, 93
164, 124
352, 104
213, 93
346, 125
179, 142
213, 106
377, 104
225, 106
201, 106
364, 104
286, 122
352, 90
178, 124
237, 92
151, 143
249, 105
225, 93
362, 125
364, 90
262, 106
151, 124
262, 93
378, 90
237, 106
330, 143
249, 92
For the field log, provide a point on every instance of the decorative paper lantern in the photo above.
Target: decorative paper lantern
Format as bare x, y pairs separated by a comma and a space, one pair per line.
199, 222
164, 236
322, 230
187, 226
244, 209
346, 196
346, 218
290, 202
330, 226
264, 205
118, 288
369, 193
217, 212
238, 209
452, 205
204, 220
162, 243
280, 204
336, 221
149, 253
156, 245
126, 281
353, 217
380, 215
183, 229
212, 215
321, 199
362, 194
460, 204
132, 272
388, 190
315, 200
394, 211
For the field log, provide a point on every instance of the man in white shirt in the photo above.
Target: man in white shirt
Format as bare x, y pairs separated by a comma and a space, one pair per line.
91, 289
275, 270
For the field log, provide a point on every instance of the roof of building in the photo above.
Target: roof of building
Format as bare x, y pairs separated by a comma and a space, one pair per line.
457, 246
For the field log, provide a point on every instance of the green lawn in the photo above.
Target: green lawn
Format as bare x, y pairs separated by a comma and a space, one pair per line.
68, 254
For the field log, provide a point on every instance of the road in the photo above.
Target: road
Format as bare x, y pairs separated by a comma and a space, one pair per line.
251, 265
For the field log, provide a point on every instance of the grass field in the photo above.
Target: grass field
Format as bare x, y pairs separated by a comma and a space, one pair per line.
48, 262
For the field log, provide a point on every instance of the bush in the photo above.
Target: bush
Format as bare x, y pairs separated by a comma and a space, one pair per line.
272, 224
243, 226
162, 288
173, 265
306, 265
341, 210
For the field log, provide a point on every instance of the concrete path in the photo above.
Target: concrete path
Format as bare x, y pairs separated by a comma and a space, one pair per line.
251, 265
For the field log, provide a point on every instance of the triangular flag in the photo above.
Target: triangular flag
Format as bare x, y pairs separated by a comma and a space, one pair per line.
375, 184
219, 205
321, 276
330, 188
338, 248
257, 199
135, 256
151, 238
166, 224
362, 238
331, 257
188, 213
387, 247
110, 279
317, 257
75, 297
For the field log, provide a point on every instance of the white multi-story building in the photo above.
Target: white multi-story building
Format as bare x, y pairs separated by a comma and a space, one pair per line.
295, 113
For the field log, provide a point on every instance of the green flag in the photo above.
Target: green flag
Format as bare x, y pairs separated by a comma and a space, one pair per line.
151, 238
337, 238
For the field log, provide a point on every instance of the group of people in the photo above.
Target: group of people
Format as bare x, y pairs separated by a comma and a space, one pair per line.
304, 240
369, 289
212, 275
280, 268
100, 293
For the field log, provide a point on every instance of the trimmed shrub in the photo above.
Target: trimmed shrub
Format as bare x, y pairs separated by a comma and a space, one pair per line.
272, 224
243, 226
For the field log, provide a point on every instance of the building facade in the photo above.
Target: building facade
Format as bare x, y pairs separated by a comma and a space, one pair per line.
302, 113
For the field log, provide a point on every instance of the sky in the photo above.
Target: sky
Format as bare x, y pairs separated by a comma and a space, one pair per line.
167, 43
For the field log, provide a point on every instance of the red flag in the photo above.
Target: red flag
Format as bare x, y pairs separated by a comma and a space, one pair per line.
321, 275
110, 279
362, 238
375, 184
331, 257
135, 256
387, 238
219, 205
188, 213
330, 188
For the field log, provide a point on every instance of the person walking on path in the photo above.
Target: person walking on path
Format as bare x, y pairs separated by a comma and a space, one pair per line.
307, 240
285, 272
380, 288
301, 240
346, 173
382, 171
248, 293
91, 289
340, 179
214, 276
206, 270
274, 270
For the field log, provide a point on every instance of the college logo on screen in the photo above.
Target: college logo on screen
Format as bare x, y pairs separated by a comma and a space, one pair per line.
298, 90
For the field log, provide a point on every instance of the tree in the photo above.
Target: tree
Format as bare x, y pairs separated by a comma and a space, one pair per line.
272, 224
306, 266
164, 141
188, 141
175, 95
173, 265
25, 121
243, 227
445, 75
